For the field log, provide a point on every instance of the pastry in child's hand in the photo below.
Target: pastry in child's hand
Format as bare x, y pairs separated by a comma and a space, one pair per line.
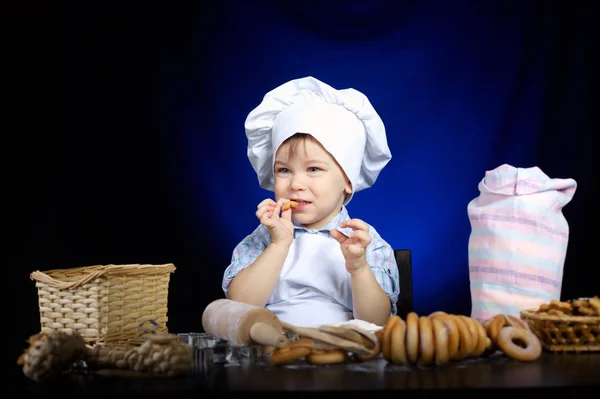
291, 204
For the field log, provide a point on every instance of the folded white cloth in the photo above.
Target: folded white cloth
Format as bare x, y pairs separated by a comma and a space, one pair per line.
363, 325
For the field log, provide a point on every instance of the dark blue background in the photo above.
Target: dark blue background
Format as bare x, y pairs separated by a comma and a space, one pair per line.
130, 121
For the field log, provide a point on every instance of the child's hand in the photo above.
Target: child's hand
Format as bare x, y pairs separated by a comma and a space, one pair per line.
281, 227
354, 247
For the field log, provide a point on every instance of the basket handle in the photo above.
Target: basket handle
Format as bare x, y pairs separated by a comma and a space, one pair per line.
65, 285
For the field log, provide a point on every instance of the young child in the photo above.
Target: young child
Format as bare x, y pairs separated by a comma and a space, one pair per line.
312, 264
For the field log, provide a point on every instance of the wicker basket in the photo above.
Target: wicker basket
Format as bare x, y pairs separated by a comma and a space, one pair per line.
564, 333
104, 303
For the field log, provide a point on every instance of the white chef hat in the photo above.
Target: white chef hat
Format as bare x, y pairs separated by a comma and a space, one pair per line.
343, 121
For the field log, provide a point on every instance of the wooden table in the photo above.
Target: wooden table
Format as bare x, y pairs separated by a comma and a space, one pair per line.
495, 376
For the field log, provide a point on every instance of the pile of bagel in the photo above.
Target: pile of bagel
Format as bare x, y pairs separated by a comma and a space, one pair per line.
436, 339
441, 338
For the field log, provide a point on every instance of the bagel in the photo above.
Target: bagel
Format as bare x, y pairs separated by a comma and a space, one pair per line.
397, 340
474, 336
370, 342
426, 342
412, 337
466, 345
514, 321
478, 334
387, 330
335, 356
519, 344
452, 331
497, 323
292, 351
440, 334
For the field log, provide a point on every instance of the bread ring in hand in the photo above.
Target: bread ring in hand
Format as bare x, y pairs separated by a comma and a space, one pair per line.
506, 342
292, 351
291, 204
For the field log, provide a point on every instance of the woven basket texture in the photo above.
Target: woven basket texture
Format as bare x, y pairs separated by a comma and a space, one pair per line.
564, 333
110, 303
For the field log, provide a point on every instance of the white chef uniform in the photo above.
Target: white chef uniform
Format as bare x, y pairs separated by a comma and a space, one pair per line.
314, 282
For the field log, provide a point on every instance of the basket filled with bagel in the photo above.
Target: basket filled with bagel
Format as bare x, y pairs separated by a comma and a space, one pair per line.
570, 326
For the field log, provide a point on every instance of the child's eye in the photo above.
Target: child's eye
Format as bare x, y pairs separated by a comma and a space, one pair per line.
283, 170
314, 169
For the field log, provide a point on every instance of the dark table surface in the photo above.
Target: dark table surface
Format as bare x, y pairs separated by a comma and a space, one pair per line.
561, 372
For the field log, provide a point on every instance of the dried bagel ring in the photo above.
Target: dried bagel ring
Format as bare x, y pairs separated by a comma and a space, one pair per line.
426, 342
514, 321
498, 322
484, 344
479, 335
486, 323
412, 337
363, 338
387, 330
466, 341
327, 357
397, 343
375, 351
440, 336
438, 313
506, 342
292, 351
453, 334
472, 327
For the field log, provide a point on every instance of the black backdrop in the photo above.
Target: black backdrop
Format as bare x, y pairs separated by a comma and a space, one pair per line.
99, 168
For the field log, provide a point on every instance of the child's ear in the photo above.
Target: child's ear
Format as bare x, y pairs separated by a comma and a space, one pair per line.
348, 187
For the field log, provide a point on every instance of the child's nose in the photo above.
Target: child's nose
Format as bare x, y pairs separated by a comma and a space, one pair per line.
297, 182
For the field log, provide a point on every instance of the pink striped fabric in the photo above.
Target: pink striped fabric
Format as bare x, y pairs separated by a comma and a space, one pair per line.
518, 240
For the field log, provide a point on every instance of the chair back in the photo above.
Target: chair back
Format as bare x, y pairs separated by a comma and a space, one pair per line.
404, 262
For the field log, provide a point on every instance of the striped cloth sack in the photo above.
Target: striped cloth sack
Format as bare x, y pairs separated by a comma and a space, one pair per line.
518, 240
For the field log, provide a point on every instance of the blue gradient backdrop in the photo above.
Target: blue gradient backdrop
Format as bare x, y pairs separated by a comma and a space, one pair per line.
462, 86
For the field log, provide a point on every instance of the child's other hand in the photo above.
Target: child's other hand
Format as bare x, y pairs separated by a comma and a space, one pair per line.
281, 227
354, 248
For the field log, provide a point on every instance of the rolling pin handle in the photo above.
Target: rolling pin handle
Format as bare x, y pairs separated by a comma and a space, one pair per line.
264, 334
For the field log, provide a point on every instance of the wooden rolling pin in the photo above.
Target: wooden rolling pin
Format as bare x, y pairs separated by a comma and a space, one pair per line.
242, 324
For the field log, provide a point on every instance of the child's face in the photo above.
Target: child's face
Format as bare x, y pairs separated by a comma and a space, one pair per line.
312, 178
